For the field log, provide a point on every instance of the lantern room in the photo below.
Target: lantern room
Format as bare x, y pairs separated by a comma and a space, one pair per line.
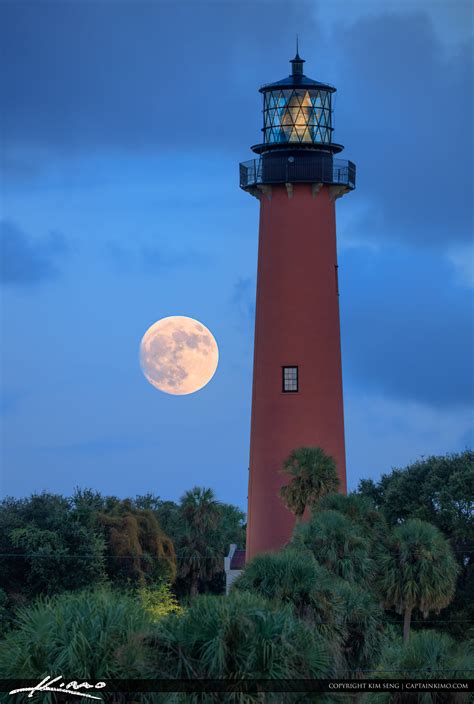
297, 109
297, 144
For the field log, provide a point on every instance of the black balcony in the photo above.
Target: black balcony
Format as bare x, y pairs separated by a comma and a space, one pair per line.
311, 167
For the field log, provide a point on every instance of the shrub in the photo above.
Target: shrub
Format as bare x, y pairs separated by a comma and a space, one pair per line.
159, 601
291, 577
427, 655
87, 634
239, 636
338, 544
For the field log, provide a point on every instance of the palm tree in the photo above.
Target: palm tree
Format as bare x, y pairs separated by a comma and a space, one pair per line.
313, 474
360, 510
428, 655
434, 654
361, 624
346, 615
90, 634
338, 544
200, 508
242, 636
417, 570
291, 577
198, 551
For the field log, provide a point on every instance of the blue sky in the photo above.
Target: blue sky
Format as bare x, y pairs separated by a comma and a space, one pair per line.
123, 126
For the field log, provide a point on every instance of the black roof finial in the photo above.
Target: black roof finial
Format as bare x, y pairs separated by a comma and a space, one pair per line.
297, 62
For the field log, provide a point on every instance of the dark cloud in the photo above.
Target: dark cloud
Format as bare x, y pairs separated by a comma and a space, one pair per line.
405, 113
139, 74
406, 327
24, 260
183, 76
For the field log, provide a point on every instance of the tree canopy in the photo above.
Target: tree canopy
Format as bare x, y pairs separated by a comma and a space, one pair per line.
313, 474
417, 570
440, 490
324, 606
338, 544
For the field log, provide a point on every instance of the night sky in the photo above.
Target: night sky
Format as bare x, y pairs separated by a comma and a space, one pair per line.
123, 125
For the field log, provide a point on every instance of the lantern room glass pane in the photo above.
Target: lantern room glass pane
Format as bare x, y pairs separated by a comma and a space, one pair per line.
297, 115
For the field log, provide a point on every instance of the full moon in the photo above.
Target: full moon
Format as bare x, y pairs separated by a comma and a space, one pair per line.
178, 355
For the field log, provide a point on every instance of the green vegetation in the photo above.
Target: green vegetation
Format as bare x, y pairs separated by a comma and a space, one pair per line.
439, 490
159, 601
50, 544
434, 654
242, 636
347, 616
313, 475
294, 579
337, 543
199, 539
137, 549
417, 570
94, 586
427, 651
46, 548
91, 633
201, 529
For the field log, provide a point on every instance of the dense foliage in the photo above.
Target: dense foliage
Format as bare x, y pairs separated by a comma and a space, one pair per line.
347, 615
47, 547
95, 586
243, 636
312, 475
50, 543
416, 570
427, 655
339, 544
439, 490
91, 633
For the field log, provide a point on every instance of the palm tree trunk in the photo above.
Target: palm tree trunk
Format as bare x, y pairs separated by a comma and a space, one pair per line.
194, 586
406, 624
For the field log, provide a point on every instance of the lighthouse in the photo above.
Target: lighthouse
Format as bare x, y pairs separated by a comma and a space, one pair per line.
297, 379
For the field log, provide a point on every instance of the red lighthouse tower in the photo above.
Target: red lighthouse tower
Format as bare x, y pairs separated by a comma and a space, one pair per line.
297, 381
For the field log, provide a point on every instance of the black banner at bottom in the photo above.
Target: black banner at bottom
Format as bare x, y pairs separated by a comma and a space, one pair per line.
98, 689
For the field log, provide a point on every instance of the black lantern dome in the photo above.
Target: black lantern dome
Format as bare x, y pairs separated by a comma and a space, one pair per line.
297, 135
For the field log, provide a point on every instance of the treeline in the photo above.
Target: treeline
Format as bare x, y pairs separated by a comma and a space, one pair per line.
440, 491
374, 584
50, 543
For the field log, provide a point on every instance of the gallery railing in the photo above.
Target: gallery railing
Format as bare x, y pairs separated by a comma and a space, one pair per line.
284, 169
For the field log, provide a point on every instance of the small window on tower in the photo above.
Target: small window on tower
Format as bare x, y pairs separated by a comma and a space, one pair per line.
290, 379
